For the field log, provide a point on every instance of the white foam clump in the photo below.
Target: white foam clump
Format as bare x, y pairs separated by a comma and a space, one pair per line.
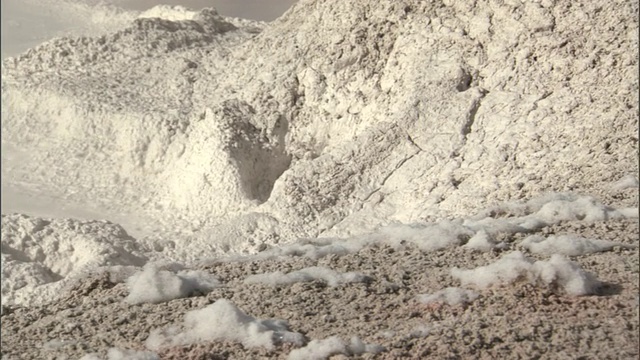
427, 237
452, 296
628, 182
123, 354
223, 320
42, 256
324, 348
316, 248
421, 331
544, 211
159, 283
557, 272
331, 277
568, 245
583, 208
483, 241
508, 218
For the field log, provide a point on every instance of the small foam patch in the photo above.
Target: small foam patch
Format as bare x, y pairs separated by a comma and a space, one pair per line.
568, 245
556, 273
331, 277
451, 296
325, 348
156, 284
223, 320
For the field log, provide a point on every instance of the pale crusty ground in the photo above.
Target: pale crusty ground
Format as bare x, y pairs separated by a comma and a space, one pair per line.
515, 322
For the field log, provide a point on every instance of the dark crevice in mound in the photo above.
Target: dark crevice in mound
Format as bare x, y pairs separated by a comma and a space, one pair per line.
258, 152
471, 117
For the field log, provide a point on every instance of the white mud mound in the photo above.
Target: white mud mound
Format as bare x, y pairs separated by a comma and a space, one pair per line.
332, 120
41, 256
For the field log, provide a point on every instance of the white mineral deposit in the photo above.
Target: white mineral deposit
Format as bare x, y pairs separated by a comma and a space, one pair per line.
320, 179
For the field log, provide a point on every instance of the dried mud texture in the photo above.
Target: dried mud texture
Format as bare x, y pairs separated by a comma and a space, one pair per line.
516, 321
